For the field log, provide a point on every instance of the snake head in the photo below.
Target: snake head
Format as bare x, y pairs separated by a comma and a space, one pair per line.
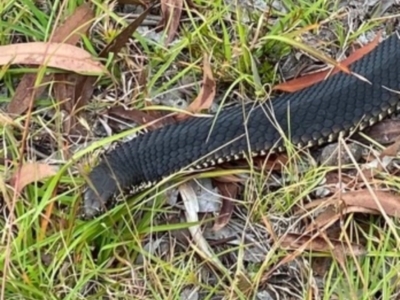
101, 187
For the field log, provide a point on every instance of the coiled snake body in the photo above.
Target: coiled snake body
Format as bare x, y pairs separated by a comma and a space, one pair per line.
340, 105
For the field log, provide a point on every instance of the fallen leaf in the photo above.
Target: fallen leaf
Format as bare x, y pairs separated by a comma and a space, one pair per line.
74, 26
310, 79
171, 17
85, 85
325, 219
123, 37
384, 132
64, 93
294, 241
311, 51
381, 163
56, 55
269, 227
31, 172
392, 150
64, 84
273, 162
139, 117
299, 243
207, 93
201, 245
333, 178
141, 86
26, 91
321, 265
229, 191
331, 216
389, 202
319, 204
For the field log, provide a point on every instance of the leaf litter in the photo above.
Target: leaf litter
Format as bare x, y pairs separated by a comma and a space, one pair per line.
171, 17
207, 92
295, 242
356, 202
203, 102
70, 33
310, 79
55, 55
31, 172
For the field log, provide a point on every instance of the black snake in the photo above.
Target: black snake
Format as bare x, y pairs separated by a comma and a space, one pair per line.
339, 105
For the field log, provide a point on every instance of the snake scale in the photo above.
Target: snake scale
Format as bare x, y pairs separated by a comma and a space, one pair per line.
340, 105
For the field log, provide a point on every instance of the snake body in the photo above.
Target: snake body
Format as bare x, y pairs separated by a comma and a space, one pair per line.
340, 105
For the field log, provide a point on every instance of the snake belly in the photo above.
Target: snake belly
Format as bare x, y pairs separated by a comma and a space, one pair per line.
339, 105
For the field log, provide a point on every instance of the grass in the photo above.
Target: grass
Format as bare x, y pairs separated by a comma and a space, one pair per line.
140, 249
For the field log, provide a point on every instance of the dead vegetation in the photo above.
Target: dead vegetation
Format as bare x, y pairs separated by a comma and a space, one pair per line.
278, 227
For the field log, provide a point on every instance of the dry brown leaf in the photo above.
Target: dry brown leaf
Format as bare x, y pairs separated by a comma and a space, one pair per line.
308, 80
274, 162
330, 216
56, 55
74, 26
244, 284
85, 85
139, 117
190, 202
207, 93
171, 17
228, 191
64, 92
299, 243
384, 132
26, 91
321, 265
319, 204
333, 179
362, 198
70, 32
324, 219
392, 150
31, 172
294, 241
360, 210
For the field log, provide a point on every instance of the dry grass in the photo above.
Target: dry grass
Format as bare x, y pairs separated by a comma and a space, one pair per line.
147, 249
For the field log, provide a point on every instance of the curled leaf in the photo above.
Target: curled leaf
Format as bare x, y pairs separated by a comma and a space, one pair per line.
308, 80
31, 172
207, 93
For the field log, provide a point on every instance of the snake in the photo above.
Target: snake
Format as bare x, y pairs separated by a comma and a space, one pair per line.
338, 106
